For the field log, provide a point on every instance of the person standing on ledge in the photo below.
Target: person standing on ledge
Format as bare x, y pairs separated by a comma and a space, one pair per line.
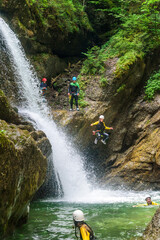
148, 203
100, 127
86, 233
43, 86
73, 92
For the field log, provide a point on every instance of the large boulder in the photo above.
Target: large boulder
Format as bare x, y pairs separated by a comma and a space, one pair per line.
23, 170
26, 167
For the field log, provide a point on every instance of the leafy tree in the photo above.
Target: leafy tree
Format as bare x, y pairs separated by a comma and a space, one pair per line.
137, 34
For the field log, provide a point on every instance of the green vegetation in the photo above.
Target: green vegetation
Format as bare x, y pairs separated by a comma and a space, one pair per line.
67, 15
103, 81
2, 131
94, 62
153, 85
81, 101
121, 88
137, 34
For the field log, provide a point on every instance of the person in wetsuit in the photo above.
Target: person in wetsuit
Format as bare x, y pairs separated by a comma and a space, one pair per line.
73, 91
85, 231
149, 202
43, 86
100, 127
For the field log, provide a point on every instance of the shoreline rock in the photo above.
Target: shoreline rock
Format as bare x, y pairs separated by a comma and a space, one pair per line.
152, 232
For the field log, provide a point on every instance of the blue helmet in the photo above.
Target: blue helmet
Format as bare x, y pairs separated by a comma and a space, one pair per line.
74, 78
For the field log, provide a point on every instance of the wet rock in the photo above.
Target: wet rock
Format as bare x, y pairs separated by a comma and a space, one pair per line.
139, 166
152, 232
27, 127
7, 83
50, 186
23, 166
42, 142
23, 169
7, 113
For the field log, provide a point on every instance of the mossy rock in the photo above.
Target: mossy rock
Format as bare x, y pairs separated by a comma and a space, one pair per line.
22, 169
62, 26
7, 113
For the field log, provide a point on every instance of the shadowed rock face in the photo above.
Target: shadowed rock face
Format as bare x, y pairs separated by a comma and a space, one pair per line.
152, 232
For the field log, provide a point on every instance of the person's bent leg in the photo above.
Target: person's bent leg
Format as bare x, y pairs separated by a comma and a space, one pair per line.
105, 136
98, 135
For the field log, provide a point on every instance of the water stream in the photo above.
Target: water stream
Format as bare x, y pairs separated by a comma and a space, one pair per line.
109, 212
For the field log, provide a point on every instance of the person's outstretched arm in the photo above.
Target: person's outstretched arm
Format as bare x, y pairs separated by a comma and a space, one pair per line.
94, 124
108, 127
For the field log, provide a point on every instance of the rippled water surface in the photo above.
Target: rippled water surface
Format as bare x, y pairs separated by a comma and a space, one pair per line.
53, 220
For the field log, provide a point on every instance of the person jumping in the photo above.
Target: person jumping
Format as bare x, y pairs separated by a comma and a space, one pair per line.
100, 127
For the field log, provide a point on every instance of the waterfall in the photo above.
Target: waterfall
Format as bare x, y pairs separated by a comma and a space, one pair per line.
67, 162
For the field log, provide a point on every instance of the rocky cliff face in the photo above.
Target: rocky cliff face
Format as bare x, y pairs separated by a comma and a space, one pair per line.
131, 156
22, 166
138, 166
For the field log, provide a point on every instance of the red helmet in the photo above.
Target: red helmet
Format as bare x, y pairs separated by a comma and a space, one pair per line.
44, 80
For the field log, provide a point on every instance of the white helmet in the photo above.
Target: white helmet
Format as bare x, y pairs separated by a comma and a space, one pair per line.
78, 216
101, 116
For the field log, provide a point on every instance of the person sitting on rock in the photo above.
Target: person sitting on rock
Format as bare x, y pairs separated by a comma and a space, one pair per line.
86, 233
148, 203
100, 127
43, 86
73, 91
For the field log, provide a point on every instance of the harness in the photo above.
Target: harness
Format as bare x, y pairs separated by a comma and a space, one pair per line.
73, 89
95, 132
100, 127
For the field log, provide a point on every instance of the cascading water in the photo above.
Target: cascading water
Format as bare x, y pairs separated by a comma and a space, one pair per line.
67, 162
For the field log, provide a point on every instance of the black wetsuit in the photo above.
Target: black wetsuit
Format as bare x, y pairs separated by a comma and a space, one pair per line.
73, 90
